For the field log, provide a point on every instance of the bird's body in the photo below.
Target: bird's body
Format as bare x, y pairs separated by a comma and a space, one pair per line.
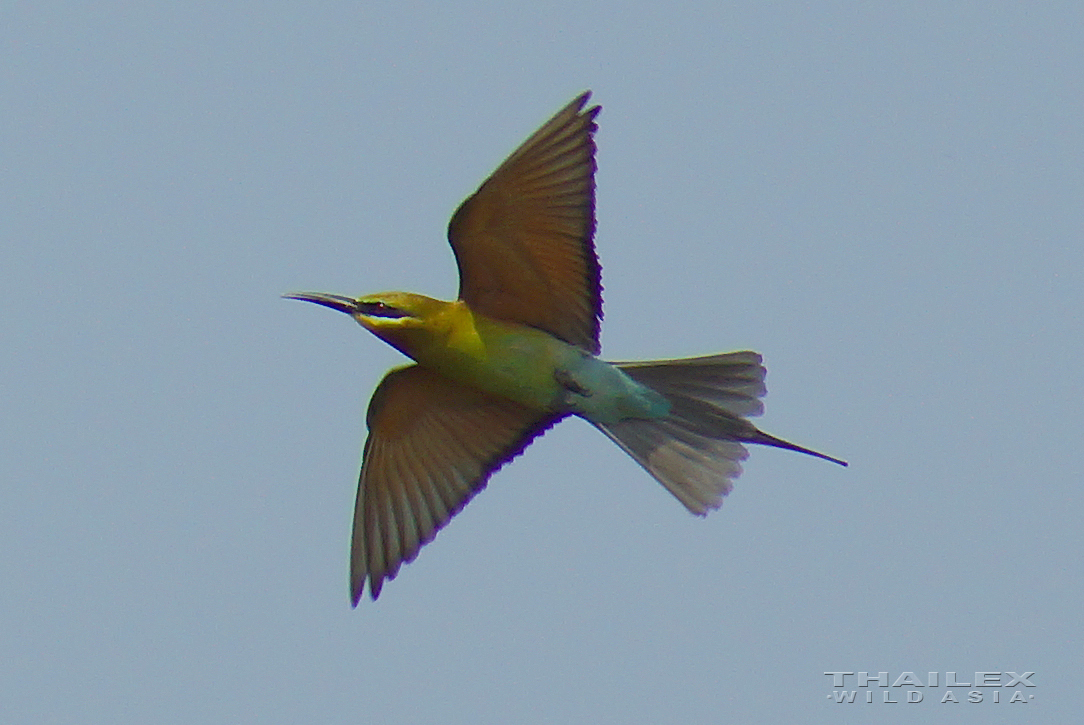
513, 361
517, 352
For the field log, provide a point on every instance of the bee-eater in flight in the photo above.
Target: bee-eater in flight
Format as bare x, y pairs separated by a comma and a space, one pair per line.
516, 353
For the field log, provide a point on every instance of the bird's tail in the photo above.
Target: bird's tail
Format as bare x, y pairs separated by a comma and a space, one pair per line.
696, 450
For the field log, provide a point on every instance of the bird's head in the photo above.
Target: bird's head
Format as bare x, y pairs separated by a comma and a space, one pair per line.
404, 320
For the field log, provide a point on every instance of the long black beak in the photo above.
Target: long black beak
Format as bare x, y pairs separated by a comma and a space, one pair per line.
335, 302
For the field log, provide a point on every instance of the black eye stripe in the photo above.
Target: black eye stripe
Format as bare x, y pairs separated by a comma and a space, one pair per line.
379, 309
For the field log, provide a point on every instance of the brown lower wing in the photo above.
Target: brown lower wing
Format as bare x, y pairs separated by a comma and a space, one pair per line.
432, 445
523, 241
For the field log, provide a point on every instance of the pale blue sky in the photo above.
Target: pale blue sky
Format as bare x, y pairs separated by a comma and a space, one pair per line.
886, 201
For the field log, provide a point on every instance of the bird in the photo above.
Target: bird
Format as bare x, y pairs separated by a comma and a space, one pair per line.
517, 352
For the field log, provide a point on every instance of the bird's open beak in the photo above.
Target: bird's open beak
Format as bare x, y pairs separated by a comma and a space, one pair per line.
335, 302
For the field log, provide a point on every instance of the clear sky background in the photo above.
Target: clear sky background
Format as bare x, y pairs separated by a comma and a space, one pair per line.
885, 200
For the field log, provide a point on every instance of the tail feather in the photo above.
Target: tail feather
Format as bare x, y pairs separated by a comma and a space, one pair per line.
732, 381
696, 450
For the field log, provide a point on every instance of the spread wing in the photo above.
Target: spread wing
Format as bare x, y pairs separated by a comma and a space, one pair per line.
523, 241
432, 445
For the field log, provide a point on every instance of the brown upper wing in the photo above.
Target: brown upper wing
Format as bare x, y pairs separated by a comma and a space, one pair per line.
432, 445
523, 241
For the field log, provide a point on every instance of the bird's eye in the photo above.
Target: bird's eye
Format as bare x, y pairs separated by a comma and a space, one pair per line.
379, 309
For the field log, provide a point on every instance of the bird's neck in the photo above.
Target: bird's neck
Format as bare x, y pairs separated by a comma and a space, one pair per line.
447, 330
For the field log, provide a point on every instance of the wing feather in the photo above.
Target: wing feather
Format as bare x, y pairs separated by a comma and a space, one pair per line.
524, 240
432, 446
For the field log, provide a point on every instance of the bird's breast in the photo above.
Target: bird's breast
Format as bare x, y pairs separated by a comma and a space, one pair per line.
538, 370
507, 359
